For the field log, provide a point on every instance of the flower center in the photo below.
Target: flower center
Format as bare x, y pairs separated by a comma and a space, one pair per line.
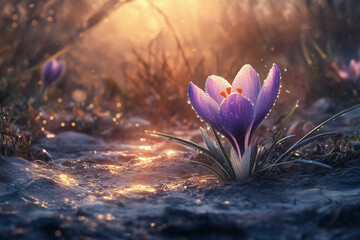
228, 90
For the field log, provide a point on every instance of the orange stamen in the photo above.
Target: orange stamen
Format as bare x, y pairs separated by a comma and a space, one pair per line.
228, 90
223, 94
239, 90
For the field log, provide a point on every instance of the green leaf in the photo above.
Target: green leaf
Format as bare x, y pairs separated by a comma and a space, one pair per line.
210, 145
304, 142
208, 167
297, 161
194, 146
310, 139
276, 141
226, 156
215, 151
181, 141
285, 138
312, 162
257, 161
342, 113
253, 156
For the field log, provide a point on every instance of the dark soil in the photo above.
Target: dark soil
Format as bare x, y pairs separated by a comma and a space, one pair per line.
172, 199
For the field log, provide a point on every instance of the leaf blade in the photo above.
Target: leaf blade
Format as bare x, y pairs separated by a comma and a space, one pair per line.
208, 167
226, 156
266, 160
193, 146
328, 120
210, 145
304, 142
253, 156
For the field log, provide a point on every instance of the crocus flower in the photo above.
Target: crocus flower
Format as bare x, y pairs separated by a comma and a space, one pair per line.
351, 72
236, 110
51, 71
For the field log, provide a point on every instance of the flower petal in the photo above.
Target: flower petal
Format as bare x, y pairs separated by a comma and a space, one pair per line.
204, 105
343, 74
47, 72
236, 114
248, 81
214, 86
267, 95
354, 69
352, 64
58, 70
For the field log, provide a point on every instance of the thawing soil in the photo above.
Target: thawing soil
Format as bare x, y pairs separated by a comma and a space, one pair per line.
92, 191
148, 190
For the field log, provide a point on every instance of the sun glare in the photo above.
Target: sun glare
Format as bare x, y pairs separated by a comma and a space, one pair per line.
147, 148
139, 189
66, 180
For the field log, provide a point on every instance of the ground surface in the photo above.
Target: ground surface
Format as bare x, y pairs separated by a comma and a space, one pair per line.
142, 189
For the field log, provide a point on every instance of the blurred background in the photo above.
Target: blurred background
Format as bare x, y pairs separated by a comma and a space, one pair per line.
135, 58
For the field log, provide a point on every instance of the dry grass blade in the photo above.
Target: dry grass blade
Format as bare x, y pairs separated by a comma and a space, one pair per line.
179, 45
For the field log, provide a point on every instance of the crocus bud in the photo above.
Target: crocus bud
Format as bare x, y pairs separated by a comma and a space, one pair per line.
52, 71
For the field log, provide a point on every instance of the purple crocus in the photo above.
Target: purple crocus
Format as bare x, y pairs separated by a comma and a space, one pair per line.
236, 110
351, 72
51, 71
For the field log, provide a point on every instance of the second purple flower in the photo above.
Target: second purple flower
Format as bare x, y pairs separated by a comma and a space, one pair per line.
51, 71
351, 72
